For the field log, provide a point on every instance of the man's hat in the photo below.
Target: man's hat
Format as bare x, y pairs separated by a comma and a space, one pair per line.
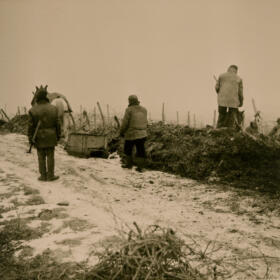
133, 99
41, 93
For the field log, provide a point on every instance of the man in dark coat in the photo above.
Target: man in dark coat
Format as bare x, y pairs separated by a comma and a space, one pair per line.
47, 136
229, 88
134, 130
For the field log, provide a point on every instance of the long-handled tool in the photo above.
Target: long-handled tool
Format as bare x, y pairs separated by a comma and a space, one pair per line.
34, 137
117, 121
257, 116
102, 116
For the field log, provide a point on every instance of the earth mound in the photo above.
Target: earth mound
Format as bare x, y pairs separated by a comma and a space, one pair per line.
222, 155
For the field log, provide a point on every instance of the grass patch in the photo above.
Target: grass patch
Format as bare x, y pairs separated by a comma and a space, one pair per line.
16, 202
29, 191
43, 267
26, 252
5, 210
70, 242
6, 195
57, 213
17, 229
77, 224
35, 200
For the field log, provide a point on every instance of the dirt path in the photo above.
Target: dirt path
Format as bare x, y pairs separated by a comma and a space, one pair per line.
104, 200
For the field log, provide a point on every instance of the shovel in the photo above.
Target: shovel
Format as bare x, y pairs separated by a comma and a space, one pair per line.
34, 137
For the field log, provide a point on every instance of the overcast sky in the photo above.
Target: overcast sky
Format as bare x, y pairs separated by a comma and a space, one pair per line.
161, 50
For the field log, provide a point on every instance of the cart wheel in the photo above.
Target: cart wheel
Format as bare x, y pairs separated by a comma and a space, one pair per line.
105, 154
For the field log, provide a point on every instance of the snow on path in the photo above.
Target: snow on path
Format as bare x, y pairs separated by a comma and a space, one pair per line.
105, 199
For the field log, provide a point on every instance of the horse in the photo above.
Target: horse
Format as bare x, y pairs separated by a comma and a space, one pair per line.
63, 115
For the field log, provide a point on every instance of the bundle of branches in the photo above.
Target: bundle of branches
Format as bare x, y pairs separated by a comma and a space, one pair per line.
154, 254
17, 124
223, 154
159, 254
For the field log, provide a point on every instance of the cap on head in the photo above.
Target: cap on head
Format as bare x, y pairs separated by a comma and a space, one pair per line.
133, 100
233, 67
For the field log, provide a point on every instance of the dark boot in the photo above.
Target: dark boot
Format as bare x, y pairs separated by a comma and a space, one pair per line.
140, 164
42, 178
53, 178
50, 161
128, 162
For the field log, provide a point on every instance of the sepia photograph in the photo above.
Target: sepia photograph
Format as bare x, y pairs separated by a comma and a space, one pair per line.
139, 140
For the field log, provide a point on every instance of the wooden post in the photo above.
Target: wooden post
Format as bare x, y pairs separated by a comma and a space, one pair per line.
101, 113
108, 115
4, 113
18, 111
25, 110
85, 114
177, 115
94, 117
189, 119
80, 115
194, 121
163, 114
214, 119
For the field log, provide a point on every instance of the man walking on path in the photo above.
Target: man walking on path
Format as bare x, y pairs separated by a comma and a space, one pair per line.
48, 133
134, 130
229, 88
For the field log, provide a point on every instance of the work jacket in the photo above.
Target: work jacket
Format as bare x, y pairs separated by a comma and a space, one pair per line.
134, 123
49, 130
230, 90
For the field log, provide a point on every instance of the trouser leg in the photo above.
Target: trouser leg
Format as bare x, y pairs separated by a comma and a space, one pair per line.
222, 119
42, 162
50, 162
140, 147
232, 117
140, 153
128, 147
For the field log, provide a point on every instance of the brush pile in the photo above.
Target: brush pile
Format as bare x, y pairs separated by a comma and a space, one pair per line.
222, 155
154, 254
159, 254
17, 124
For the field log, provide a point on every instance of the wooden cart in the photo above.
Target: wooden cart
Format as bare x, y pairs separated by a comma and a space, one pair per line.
87, 145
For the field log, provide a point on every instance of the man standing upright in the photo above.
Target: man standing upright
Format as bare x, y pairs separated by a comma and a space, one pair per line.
134, 130
229, 88
44, 117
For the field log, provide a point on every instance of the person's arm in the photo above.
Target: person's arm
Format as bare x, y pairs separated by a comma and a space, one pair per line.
125, 122
30, 127
240, 93
217, 87
57, 126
